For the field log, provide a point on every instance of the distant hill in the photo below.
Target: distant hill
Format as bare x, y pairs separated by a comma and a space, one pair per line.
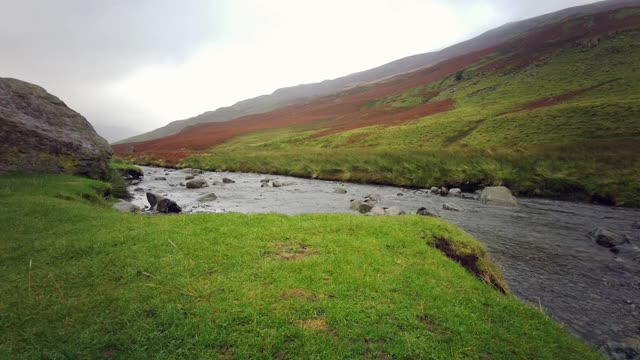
553, 110
301, 93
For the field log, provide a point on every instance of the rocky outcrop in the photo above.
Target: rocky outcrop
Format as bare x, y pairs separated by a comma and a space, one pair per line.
498, 195
40, 134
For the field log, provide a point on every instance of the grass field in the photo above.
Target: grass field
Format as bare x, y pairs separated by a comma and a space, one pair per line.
80, 280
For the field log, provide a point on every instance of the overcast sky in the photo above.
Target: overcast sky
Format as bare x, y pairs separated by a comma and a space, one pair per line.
131, 66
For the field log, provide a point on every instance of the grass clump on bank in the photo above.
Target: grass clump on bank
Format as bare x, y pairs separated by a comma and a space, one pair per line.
119, 170
79, 280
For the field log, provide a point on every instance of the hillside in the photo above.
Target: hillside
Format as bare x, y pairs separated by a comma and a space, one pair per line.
552, 111
302, 93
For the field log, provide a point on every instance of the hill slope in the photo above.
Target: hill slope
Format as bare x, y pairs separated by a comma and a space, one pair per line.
553, 111
302, 93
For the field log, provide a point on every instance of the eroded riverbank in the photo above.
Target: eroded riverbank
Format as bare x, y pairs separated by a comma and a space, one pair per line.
542, 246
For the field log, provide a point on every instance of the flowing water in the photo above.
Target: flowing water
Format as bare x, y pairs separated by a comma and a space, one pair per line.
542, 246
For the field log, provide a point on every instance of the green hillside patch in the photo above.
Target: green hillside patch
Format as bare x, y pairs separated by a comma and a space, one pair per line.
79, 280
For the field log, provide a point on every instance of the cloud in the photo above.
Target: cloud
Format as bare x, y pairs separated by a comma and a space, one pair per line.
132, 66
75, 48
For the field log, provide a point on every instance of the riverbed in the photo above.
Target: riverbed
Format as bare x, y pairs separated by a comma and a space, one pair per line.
542, 246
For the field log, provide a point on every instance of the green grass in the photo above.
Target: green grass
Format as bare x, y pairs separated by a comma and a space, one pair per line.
125, 167
79, 280
118, 170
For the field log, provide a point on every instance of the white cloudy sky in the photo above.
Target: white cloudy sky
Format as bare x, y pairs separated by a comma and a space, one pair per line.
133, 66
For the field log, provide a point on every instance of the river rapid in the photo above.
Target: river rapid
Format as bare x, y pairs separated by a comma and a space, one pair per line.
542, 246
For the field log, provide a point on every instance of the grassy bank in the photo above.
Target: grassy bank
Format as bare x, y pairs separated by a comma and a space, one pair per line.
79, 280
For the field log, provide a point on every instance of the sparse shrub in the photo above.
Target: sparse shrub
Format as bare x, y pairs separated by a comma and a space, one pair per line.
118, 185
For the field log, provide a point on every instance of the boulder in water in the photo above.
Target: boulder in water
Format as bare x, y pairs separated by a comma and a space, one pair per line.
208, 198
394, 211
340, 191
167, 206
498, 195
364, 208
451, 207
355, 204
423, 211
608, 239
197, 184
153, 199
228, 181
455, 192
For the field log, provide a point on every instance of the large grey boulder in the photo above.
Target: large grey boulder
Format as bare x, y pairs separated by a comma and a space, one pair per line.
40, 134
498, 195
197, 184
126, 207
